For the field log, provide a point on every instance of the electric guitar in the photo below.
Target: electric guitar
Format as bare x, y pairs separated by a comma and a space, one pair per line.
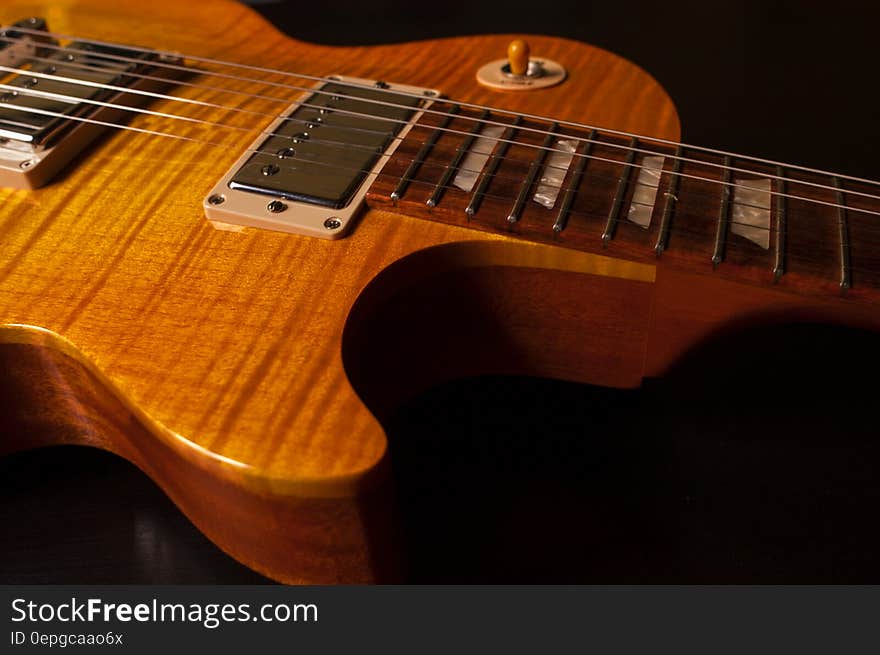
227, 256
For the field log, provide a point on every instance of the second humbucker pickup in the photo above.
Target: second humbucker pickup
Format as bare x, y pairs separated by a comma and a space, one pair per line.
56, 99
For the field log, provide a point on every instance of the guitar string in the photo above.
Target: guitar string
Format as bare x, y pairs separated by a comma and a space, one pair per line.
675, 230
631, 183
754, 227
350, 128
615, 161
275, 158
401, 122
732, 246
293, 139
162, 96
314, 78
771, 175
444, 114
285, 101
512, 141
632, 166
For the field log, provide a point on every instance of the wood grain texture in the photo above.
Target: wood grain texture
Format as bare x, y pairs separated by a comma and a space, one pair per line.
226, 348
809, 241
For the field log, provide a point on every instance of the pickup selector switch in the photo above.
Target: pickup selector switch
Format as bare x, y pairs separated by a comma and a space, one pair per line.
520, 71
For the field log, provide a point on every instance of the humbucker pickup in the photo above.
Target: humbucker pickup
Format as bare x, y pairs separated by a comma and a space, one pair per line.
55, 102
308, 171
90, 72
18, 47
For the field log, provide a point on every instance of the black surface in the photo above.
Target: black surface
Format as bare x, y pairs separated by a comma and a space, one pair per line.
755, 461
697, 478
79, 515
792, 80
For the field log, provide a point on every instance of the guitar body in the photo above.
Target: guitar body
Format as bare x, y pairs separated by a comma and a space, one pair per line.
248, 372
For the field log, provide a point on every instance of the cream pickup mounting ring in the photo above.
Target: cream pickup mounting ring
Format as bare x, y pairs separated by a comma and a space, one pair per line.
50, 110
520, 72
309, 170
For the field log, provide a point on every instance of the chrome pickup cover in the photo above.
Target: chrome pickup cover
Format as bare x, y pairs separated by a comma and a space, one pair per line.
17, 47
90, 71
58, 101
308, 171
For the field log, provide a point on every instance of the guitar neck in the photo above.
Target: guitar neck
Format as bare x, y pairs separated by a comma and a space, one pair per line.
550, 182
638, 198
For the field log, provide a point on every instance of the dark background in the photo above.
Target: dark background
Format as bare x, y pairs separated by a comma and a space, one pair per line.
756, 461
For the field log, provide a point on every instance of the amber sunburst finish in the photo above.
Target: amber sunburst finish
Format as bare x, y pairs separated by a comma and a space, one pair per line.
248, 372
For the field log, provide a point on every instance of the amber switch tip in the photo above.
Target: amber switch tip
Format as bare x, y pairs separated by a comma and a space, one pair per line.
518, 57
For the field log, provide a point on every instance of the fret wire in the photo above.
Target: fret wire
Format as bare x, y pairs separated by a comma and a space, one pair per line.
815, 269
491, 168
218, 144
508, 140
466, 105
813, 264
196, 140
739, 245
617, 203
339, 144
779, 258
333, 143
841, 197
671, 196
460, 154
574, 184
732, 246
534, 169
843, 235
723, 218
420, 157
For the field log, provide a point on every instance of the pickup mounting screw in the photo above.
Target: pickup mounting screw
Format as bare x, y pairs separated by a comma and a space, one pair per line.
382, 85
431, 94
333, 223
216, 199
276, 206
27, 163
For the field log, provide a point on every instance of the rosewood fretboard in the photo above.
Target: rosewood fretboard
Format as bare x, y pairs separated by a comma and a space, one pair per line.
818, 234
